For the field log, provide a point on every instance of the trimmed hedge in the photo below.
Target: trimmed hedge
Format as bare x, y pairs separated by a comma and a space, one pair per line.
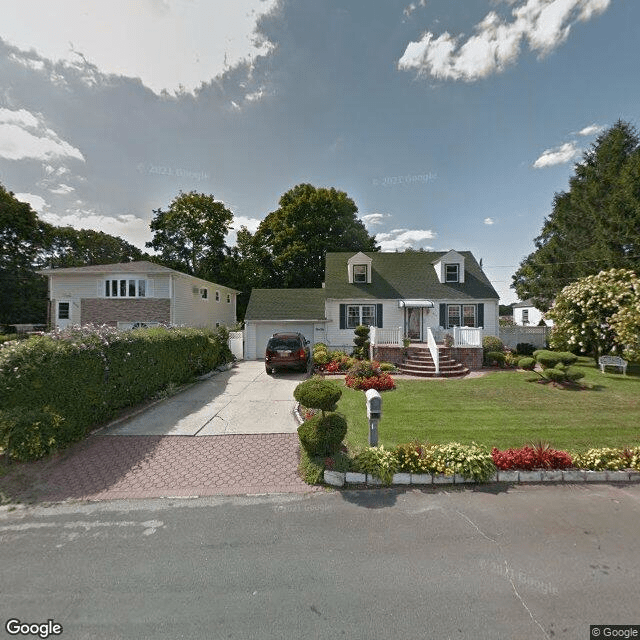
85, 375
322, 435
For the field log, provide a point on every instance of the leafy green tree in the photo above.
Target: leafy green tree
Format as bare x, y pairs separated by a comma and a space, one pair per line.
23, 293
586, 313
593, 226
626, 324
69, 247
292, 241
190, 234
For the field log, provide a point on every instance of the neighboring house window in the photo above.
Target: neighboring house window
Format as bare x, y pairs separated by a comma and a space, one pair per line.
217, 296
228, 298
204, 294
125, 288
359, 272
525, 316
63, 310
361, 314
451, 272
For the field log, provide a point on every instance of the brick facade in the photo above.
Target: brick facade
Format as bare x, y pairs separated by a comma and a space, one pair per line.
469, 357
110, 312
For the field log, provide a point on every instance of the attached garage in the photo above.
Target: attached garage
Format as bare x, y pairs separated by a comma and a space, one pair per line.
282, 310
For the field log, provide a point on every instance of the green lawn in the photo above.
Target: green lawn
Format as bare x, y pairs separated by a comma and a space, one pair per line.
505, 409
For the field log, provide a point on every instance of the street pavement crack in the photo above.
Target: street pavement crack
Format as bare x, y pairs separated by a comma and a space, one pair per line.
508, 571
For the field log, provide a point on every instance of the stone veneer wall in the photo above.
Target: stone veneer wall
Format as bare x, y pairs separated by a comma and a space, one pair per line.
110, 312
470, 357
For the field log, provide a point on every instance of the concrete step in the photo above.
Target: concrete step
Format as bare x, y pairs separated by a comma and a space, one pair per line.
453, 373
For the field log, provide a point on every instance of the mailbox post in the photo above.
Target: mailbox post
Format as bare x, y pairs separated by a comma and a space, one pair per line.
374, 413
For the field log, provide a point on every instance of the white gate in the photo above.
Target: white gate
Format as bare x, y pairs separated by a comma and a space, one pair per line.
236, 344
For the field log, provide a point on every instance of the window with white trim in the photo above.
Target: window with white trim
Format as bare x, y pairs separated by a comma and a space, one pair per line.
125, 288
64, 310
228, 298
453, 315
452, 272
204, 293
361, 314
217, 296
525, 316
360, 273
462, 315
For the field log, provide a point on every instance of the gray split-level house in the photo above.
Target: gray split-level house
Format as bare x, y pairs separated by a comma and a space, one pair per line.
133, 294
402, 295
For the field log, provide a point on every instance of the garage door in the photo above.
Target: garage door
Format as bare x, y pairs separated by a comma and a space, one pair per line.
265, 331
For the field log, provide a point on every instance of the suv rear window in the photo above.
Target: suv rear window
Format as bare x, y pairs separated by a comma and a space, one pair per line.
284, 344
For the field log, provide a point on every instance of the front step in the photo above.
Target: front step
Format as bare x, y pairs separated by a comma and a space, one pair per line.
419, 363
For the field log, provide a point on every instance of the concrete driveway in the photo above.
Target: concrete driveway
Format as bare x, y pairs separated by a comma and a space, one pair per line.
243, 400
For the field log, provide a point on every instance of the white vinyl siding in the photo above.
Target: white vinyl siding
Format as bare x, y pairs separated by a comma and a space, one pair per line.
196, 311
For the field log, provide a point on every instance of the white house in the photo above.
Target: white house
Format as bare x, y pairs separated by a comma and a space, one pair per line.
525, 314
132, 294
405, 292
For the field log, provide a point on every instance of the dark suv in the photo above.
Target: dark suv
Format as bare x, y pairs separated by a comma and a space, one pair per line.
287, 351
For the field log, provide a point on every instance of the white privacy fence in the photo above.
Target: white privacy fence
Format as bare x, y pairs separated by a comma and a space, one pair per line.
236, 344
511, 336
392, 336
467, 336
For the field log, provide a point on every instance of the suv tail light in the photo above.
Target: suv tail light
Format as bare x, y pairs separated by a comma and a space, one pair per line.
301, 354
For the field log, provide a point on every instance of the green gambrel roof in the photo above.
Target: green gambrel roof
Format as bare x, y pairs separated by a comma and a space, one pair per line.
405, 276
286, 304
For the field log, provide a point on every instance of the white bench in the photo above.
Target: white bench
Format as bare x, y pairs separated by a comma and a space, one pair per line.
612, 361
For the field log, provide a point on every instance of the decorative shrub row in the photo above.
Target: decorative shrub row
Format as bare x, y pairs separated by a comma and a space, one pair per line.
477, 462
78, 378
379, 382
471, 461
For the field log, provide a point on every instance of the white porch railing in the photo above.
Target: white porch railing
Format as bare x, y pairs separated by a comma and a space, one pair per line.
433, 349
378, 336
467, 336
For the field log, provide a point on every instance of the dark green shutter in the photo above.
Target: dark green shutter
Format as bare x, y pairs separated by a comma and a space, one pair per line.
480, 315
443, 315
343, 316
379, 316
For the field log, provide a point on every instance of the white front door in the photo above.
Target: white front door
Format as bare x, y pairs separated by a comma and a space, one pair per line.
63, 314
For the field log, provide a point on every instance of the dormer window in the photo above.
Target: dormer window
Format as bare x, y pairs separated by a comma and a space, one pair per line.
452, 272
360, 273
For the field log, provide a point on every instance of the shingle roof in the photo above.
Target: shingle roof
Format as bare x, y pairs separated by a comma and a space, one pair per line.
139, 266
405, 276
286, 304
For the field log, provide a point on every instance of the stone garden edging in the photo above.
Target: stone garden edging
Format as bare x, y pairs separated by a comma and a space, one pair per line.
340, 479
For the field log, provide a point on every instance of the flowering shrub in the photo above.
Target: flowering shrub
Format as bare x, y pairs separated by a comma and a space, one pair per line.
607, 459
381, 382
378, 462
414, 457
472, 461
527, 458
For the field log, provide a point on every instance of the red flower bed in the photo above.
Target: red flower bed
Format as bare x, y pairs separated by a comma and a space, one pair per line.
381, 382
527, 458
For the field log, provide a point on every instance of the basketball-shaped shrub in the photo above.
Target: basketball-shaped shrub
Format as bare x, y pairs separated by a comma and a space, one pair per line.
323, 435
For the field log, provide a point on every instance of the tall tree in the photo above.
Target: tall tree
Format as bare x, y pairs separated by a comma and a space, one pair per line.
593, 226
69, 247
190, 234
23, 293
292, 241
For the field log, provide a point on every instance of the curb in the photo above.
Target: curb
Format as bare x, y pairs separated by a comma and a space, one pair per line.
339, 479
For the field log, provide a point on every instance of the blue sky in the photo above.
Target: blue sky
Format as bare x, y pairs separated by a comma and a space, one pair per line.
451, 123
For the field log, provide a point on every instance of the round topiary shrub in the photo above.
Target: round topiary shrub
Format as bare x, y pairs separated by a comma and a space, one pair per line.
495, 358
317, 393
322, 435
527, 363
361, 341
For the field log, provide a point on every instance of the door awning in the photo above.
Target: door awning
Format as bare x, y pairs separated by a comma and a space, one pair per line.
429, 304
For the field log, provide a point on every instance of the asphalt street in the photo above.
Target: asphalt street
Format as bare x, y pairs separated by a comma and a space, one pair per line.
498, 562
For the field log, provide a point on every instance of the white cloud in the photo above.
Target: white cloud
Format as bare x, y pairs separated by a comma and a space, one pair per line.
25, 136
165, 43
241, 221
544, 24
489, 221
590, 130
38, 204
404, 238
558, 155
129, 227
62, 189
374, 218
